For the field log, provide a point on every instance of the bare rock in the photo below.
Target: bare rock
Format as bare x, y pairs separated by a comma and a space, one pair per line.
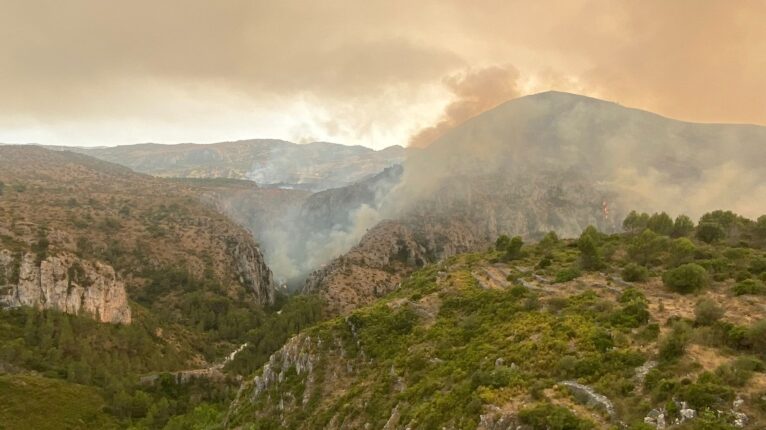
65, 283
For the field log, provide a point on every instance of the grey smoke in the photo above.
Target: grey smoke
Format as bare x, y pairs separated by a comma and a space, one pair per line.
532, 164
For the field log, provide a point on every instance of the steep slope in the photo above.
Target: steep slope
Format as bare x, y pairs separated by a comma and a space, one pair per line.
535, 339
558, 162
84, 242
314, 166
77, 232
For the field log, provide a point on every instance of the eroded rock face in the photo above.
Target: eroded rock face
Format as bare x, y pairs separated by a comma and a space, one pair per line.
371, 269
65, 283
590, 397
251, 267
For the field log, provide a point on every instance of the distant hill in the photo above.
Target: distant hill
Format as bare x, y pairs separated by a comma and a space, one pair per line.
313, 166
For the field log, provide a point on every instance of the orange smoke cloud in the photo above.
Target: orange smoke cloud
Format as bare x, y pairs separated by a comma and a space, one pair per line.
475, 91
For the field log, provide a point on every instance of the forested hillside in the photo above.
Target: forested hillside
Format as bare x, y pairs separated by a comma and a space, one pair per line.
107, 277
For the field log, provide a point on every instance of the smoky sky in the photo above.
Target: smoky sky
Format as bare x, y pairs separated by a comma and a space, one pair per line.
373, 73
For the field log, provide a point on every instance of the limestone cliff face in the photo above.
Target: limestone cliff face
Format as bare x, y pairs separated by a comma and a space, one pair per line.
387, 254
65, 283
251, 268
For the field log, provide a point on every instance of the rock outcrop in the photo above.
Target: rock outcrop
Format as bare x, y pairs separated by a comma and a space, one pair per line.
588, 396
387, 253
251, 268
65, 283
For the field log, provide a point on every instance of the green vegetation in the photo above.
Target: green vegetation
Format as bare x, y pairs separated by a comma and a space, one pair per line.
685, 279
707, 312
750, 286
635, 273
445, 348
442, 350
31, 402
510, 248
107, 360
550, 417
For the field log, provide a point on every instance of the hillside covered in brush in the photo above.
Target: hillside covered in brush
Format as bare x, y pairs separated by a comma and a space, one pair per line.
661, 326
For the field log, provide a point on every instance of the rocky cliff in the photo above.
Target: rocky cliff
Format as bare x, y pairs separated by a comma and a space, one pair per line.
387, 254
251, 268
64, 283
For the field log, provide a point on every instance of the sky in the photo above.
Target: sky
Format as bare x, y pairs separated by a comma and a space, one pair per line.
373, 73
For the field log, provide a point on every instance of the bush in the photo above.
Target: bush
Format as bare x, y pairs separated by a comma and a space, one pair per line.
757, 266
511, 248
634, 311
567, 275
707, 312
635, 273
756, 336
732, 375
544, 262
645, 247
682, 251
703, 395
589, 254
551, 417
685, 279
673, 345
749, 286
550, 240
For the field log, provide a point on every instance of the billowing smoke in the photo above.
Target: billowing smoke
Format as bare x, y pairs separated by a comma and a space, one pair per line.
534, 164
475, 91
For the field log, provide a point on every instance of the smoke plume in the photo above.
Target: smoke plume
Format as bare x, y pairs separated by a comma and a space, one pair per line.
475, 91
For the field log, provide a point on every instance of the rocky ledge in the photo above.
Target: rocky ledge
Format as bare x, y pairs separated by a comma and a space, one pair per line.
65, 283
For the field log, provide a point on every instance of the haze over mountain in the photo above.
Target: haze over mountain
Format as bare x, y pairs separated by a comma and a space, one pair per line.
272, 163
551, 162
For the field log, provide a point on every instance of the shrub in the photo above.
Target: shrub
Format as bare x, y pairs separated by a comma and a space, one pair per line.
544, 262
732, 375
648, 333
707, 312
502, 242
567, 274
682, 251
749, 286
546, 416
673, 345
644, 248
758, 266
511, 248
685, 279
635, 273
756, 336
550, 240
631, 294
589, 255
703, 395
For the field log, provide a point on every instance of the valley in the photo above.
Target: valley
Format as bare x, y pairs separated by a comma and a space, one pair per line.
496, 279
